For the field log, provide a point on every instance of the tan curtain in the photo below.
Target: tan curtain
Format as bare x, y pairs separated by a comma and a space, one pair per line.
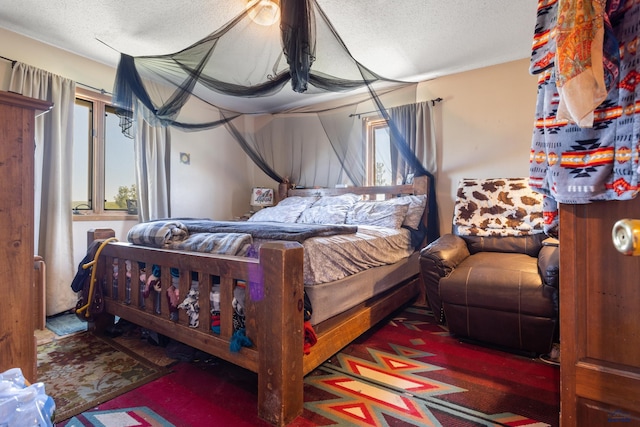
415, 123
53, 152
152, 146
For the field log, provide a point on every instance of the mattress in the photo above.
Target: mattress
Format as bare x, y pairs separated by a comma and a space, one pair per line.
331, 258
332, 298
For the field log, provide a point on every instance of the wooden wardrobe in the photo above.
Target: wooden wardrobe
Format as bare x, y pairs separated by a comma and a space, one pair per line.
17, 294
599, 318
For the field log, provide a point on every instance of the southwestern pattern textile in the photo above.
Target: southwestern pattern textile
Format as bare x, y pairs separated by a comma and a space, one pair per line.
572, 164
407, 372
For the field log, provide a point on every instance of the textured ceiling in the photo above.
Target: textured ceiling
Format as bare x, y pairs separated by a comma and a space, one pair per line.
401, 39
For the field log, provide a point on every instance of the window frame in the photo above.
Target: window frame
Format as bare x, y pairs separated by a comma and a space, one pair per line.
101, 102
372, 124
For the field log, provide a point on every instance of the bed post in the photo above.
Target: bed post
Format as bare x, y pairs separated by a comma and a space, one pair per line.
99, 234
280, 320
421, 186
104, 321
283, 189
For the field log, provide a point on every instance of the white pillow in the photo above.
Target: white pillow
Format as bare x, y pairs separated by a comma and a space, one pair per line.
386, 213
324, 215
341, 200
288, 210
329, 210
297, 201
417, 205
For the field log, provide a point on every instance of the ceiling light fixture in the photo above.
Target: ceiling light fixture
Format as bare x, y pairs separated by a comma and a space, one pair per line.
264, 12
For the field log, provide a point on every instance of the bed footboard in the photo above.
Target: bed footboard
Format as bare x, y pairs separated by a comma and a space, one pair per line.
273, 289
274, 303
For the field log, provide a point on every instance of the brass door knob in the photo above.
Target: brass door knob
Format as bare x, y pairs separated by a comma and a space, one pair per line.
626, 236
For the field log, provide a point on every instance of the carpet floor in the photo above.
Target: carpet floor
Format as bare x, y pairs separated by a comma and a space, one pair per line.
83, 370
407, 372
65, 324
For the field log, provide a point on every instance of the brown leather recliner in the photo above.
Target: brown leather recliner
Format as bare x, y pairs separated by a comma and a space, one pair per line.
494, 279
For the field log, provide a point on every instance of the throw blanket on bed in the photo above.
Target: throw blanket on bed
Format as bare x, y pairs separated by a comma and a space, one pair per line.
215, 243
267, 230
157, 234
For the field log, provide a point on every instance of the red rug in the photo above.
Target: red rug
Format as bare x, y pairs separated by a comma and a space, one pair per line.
407, 372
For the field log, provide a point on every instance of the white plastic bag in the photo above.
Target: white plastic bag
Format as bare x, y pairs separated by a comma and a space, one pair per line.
22, 405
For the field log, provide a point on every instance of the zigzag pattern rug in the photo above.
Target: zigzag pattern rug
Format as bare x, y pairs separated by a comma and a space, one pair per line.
407, 372
411, 372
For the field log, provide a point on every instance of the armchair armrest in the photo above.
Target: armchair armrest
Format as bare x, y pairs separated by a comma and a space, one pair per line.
438, 260
549, 264
448, 252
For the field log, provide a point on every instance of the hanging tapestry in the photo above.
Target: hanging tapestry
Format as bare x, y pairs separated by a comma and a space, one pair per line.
573, 164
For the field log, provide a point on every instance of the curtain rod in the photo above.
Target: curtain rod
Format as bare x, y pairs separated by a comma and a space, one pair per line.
432, 101
102, 91
10, 60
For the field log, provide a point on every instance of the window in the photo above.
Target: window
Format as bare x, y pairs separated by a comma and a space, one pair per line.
378, 153
103, 158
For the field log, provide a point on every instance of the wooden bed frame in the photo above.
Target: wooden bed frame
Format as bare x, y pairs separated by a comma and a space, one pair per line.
273, 306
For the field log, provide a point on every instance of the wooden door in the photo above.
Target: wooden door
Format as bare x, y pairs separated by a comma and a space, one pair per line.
599, 318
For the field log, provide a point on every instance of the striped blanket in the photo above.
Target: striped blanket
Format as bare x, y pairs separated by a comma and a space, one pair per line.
166, 232
157, 234
296, 232
215, 243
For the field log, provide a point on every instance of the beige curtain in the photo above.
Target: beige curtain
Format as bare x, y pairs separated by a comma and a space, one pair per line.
415, 122
152, 146
53, 153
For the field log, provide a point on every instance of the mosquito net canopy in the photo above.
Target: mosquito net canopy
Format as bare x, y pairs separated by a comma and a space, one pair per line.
290, 137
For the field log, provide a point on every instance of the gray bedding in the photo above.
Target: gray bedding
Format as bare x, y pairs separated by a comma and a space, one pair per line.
331, 252
268, 230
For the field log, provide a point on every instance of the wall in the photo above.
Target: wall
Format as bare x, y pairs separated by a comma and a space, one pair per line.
483, 127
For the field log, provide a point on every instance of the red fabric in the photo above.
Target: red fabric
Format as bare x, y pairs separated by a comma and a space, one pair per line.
215, 320
310, 337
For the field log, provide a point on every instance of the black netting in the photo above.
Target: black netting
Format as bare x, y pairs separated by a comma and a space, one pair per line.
303, 55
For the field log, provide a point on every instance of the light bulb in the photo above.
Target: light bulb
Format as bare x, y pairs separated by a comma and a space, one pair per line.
264, 12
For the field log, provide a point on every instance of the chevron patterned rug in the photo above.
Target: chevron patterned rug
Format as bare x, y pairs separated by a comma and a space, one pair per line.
407, 372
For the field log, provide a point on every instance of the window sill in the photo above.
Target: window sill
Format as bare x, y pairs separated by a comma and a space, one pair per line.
111, 216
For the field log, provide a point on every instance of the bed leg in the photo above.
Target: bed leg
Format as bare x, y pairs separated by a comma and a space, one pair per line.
104, 323
280, 317
421, 300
